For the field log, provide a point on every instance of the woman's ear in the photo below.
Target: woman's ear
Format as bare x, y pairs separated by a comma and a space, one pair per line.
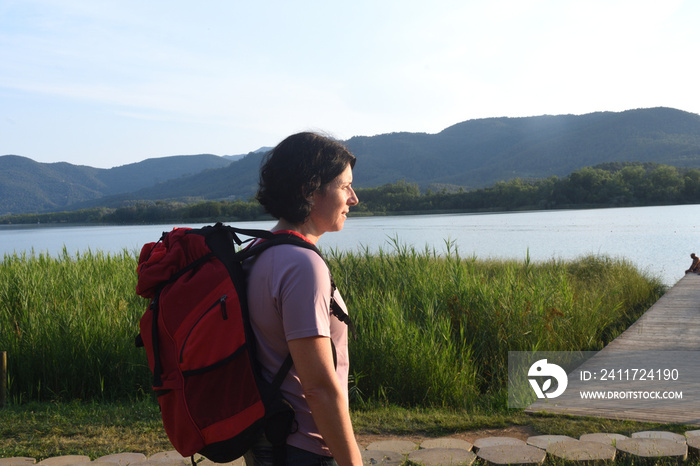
308, 191
311, 195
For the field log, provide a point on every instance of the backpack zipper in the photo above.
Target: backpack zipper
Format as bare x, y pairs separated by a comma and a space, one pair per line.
222, 300
224, 315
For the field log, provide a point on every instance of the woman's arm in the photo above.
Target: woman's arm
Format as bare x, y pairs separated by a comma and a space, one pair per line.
313, 360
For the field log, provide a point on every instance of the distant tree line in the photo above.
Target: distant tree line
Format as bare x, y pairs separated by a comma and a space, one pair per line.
146, 212
619, 184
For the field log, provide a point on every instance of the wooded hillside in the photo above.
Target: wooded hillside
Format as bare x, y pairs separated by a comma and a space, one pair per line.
469, 155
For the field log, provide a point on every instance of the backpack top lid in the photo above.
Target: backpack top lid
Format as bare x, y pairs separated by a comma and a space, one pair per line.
161, 260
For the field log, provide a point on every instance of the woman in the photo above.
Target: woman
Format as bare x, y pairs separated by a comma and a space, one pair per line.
306, 183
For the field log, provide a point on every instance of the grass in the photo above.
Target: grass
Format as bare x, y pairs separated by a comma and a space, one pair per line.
42, 430
69, 322
436, 330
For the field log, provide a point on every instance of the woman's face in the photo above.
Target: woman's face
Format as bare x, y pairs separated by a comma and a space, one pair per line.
332, 203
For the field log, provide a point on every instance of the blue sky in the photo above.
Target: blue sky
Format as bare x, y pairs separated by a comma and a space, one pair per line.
106, 83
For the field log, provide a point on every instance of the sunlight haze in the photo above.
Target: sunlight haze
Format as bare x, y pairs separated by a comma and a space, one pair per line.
106, 83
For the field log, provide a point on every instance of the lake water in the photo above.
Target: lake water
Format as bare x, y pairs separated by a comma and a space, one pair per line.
658, 240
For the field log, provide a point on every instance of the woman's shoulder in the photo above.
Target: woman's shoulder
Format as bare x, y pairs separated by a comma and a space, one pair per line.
296, 256
291, 263
300, 253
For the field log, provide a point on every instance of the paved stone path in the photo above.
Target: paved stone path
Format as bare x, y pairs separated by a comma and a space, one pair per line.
596, 447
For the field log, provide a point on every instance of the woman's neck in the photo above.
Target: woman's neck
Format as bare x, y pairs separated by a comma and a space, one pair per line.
303, 229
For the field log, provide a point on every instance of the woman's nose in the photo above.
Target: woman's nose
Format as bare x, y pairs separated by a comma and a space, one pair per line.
353, 199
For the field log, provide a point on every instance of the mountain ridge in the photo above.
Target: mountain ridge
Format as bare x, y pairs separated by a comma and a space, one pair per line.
470, 154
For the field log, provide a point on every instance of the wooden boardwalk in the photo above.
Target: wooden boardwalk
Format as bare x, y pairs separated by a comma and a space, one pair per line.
669, 334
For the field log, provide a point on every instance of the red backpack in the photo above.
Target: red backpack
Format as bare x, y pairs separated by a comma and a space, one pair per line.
200, 346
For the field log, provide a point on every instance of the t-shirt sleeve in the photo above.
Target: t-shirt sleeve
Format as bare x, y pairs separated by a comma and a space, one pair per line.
304, 293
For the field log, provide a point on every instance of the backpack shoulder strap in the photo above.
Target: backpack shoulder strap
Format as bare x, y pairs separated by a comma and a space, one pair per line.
293, 239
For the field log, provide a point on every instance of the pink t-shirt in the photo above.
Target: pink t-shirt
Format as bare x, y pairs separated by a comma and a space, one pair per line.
289, 290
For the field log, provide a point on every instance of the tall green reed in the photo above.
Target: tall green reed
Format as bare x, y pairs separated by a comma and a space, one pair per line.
68, 325
436, 329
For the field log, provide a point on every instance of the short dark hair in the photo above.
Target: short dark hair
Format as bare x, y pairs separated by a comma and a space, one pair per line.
299, 166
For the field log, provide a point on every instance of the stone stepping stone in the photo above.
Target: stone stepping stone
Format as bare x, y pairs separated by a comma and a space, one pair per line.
498, 441
122, 459
608, 439
694, 445
17, 461
399, 446
441, 456
446, 443
653, 448
577, 450
660, 434
545, 441
168, 456
371, 457
692, 433
64, 460
512, 454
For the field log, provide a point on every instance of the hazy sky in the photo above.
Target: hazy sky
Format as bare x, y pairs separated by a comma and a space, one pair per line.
105, 83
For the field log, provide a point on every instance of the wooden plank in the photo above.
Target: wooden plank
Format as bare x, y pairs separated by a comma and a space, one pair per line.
672, 324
